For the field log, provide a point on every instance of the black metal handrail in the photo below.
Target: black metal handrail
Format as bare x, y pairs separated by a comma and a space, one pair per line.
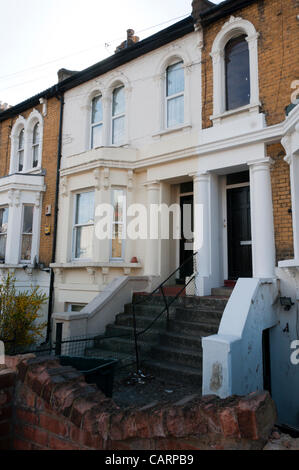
166, 307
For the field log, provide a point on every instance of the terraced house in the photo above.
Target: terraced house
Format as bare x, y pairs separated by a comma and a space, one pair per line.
28, 167
202, 114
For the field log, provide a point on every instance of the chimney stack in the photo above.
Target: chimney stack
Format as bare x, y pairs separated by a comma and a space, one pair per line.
131, 40
4, 106
64, 73
199, 6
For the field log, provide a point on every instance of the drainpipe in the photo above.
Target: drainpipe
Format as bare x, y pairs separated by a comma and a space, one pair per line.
60, 97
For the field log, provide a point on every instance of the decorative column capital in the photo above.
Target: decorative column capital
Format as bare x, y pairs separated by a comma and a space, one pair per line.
152, 185
201, 177
260, 163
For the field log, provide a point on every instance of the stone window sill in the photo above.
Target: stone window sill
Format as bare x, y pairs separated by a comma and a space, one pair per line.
91, 264
172, 130
289, 263
251, 108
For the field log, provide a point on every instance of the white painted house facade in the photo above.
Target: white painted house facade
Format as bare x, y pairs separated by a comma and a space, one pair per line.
134, 135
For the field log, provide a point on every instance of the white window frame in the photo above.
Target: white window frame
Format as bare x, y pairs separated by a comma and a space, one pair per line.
232, 29
123, 223
96, 124
26, 261
28, 126
70, 304
75, 226
176, 95
117, 116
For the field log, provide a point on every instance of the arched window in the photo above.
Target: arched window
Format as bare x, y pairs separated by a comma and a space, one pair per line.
96, 122
35, 145
118, 115
21, 150
237, 73
175, 87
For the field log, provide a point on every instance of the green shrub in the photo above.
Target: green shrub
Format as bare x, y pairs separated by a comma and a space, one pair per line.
19, 313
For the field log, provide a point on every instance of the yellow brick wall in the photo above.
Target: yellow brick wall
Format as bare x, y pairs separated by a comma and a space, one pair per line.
49, 164
281, 194
278, 46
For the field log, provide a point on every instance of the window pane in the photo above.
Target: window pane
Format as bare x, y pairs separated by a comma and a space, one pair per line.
76, 307
83, 237
2, 246
3, 219
35, 156
26, 247
175, 79
118, 205
118, 130
237, 73
21, 160
85, 208
175, 111
97, 110
117, 241
21, 139
118, 105
96, 136
36, 136
27, 219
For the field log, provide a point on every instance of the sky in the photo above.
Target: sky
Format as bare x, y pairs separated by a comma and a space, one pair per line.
38, 37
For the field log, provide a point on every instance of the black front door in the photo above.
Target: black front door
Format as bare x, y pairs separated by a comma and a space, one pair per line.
186, 243
239, 233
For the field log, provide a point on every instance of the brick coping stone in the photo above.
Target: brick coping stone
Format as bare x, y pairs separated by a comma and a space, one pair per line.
195, 422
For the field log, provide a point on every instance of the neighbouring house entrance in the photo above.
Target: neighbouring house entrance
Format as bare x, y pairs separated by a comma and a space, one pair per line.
186, 242
239, 227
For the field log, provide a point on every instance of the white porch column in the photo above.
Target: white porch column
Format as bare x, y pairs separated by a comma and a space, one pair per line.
202, 232
152, 261
262, 225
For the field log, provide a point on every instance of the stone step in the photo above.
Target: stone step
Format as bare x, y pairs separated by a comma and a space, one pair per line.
222, 291
142, 321
179, 340
196, 316
217, 303
184, 357
198, 328
174, 373
126, 346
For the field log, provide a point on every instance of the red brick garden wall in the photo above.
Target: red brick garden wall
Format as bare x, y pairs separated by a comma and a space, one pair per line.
54, 408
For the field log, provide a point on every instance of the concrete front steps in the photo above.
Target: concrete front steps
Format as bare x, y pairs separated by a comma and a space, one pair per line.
170, 350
